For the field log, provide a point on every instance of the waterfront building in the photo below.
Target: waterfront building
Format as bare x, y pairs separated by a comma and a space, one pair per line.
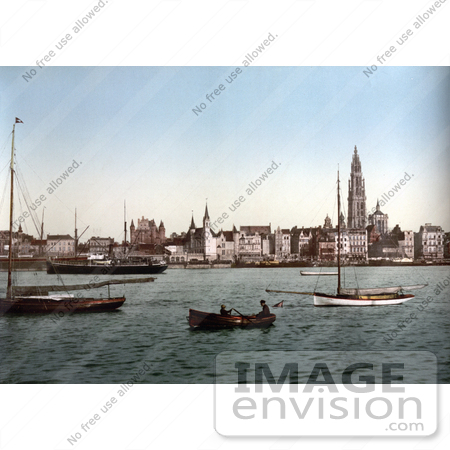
225, 246
147, 232
38, 247
356, 195
253, 242
429, 243
282, 240
405, 242
200, 243
447, 245
250, 247
101, 246
357, 249
326, 247
60, 245
301, 242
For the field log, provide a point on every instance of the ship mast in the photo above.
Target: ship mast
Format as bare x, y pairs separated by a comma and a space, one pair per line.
339, 237
76, 234
42, 232
9, 287
124, 227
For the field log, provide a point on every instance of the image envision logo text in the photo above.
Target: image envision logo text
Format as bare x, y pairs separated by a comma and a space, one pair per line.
343, 393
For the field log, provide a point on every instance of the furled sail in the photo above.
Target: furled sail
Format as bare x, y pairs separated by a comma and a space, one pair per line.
44, 290
378, 291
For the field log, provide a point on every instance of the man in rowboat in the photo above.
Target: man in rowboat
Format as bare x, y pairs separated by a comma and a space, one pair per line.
265, 310
224, 311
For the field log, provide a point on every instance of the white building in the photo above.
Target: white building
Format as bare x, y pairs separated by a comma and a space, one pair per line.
60, 245
429, 242
282, 243
100, 246
353, 244
201, 242
406, 245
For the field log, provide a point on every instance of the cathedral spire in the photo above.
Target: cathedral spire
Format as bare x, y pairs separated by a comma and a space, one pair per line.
192, 227
356, 194
206, 220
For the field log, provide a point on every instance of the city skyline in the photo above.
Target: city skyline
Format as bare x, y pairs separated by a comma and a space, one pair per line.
133, 136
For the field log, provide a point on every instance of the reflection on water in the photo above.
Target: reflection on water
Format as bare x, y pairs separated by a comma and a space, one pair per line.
152, 327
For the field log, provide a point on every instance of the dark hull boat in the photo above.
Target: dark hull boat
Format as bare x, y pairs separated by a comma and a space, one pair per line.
38, 299
211, 321
54, 303
88, 268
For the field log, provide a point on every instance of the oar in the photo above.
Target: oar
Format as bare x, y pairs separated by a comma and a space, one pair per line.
291, 292
245, 317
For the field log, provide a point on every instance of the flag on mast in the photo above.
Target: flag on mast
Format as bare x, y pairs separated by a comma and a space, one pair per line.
18, 120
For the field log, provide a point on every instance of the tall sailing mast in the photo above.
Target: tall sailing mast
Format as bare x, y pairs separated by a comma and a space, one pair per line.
76, 234
9, 287
124, 227
339, 237
42, 232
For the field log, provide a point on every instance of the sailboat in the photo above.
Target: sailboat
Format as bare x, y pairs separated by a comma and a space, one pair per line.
354, 296
37, 299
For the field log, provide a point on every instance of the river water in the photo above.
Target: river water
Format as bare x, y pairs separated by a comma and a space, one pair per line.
150, 331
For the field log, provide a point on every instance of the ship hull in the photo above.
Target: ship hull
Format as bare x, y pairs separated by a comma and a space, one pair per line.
363, 300
106, 269
49, 304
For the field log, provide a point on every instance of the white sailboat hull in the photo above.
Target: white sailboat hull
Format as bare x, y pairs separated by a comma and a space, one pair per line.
328, 300
311, 274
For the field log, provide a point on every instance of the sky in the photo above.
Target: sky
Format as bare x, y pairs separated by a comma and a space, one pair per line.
131, 135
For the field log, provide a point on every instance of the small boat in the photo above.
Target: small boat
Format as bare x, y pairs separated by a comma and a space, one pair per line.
211, 321
315, 274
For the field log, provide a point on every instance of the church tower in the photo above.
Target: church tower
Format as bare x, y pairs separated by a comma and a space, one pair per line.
379, 219
208, 242
132, 232
356, 195
206, 219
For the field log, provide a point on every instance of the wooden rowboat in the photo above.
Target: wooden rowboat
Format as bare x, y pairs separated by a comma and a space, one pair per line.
205, 320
